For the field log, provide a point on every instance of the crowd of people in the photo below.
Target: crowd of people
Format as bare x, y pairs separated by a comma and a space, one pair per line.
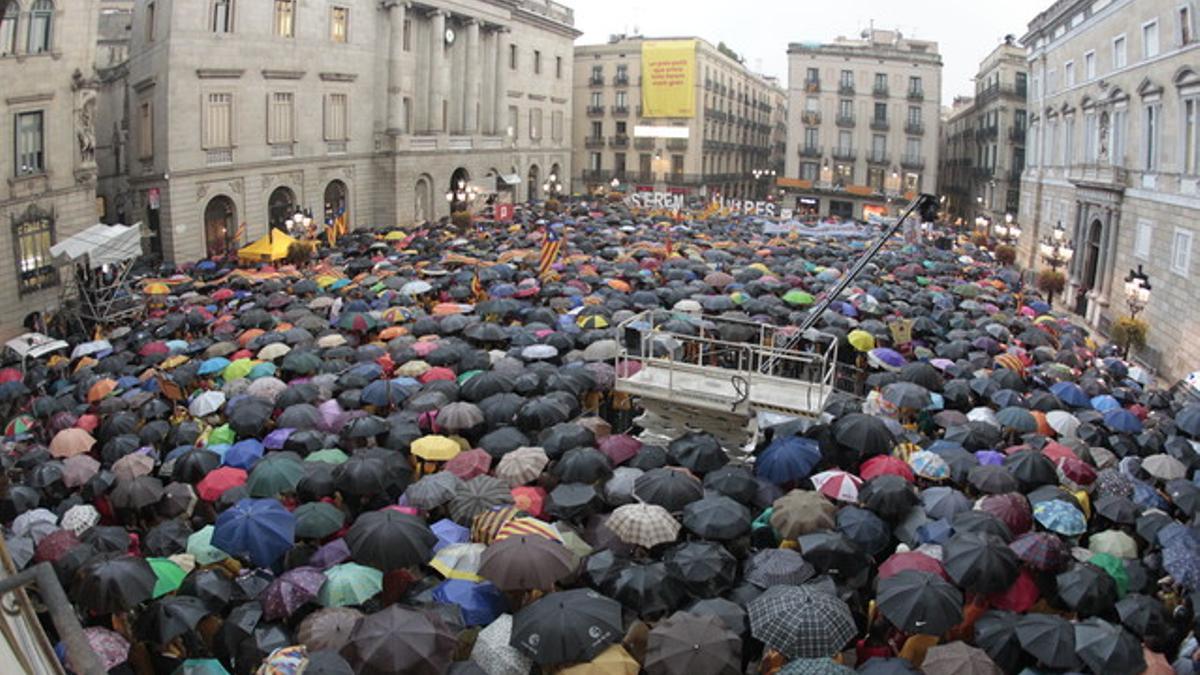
412, 455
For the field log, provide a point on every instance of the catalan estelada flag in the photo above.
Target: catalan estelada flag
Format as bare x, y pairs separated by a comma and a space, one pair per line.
551, 247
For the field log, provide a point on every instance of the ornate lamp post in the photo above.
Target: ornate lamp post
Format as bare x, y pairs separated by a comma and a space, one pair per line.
1008, 231
1137, 291
1056, 251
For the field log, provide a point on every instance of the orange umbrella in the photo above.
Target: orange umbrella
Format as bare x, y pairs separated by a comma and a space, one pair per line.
448, 308
101, 389
618, 285
1044, 427
71, 442
393, 332
248, 335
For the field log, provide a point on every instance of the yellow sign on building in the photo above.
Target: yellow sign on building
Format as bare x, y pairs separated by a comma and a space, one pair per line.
669, 78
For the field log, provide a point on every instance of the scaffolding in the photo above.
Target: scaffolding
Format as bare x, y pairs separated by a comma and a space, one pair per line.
96, 269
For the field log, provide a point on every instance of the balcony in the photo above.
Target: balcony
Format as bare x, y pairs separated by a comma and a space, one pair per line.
912, 162
621, 80
810, 151
810, 118
846, 88
989, 94
620, 111
916, 94
880, 91
595, 110
844, 153
1017, 134
877, 157
643, 143
596, 81
677, 144
681, 179
845, 120
812, 85
619, 141
914, 128
594, 142
879, 124
988, 133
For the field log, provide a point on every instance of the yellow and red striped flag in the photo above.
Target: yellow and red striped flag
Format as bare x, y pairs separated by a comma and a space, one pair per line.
477, 290
551, 248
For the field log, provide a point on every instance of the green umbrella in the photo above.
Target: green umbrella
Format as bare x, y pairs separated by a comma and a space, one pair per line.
1115, 568
467, 375
275, 474
798, 297
168, 575
201, 667
350, 584
329, 456
222, 435
317, 520
199, 545
238, 369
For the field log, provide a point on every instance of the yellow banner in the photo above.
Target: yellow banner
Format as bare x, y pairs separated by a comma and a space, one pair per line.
669, 78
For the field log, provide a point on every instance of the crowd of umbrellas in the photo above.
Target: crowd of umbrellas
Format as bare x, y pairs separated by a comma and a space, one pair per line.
365, 466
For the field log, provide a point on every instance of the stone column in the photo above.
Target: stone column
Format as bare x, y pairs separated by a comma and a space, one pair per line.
437, 65
500, 112
472, 81
1112, 217
1077, 236
395, 107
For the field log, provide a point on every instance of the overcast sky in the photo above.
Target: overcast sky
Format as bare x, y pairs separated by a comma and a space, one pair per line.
966, 30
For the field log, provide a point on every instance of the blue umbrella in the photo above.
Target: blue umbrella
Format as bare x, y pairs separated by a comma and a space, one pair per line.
213, 366
788, 459
384, 393
1123, 421
260, 530
1070, 394
243, 454
935, 532
480, 603
1182, 562
449, 532
1060, 517
1146, 496
1104, 403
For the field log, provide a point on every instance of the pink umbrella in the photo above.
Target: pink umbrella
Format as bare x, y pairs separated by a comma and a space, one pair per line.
109, 645
425, 348
333, 418
469, 464
619, 448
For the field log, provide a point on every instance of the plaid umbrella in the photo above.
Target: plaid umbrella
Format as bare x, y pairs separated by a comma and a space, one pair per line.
822, 666
798, 622
778, 567
958, 658
645, 525
493, 649
522, 465
1041, 551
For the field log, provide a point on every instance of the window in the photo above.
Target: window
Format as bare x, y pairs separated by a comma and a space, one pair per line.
150, 21
844, 141
1069, 74
513, 121
878, 146
597, 99
556, 125
880, 112
1089, 66
145, 130
537, 62
881, 81
1020, 119
1117, 152
512, 57
285, 18
845, 108
875, 178
222, 17
337, 126
1143, 239
535, 124
812, 75
30, 144
1191, 153
1185, 25
41, 25
644, 166
597, 129
1089, 138
1150, 39
677, 164
912, 148
812, 104
1181, 252
33, 236
619, 163
1069, 142
1022, 84
622, 100
407, 35
558, 67
339, 24
912, 182
218, 122
914, 85
8, 30
811, 138
914, 115
594, 161
1150, 140
847, 79
809, 171
1119, 55
281, 116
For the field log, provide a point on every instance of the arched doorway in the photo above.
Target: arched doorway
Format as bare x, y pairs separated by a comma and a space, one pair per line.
457, 192
423, 200
220, 222
281, 206
535, 177
1091, 265
335, 202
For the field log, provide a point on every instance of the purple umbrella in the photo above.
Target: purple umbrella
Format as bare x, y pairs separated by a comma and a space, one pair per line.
290, 591
333, 418
887, 357
990, 457
619, 448
449, 532
276, 439
333, 553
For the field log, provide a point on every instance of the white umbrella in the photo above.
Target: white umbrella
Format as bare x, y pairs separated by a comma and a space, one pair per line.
416, 287
267, 388
982, 414
331, 340
1062, 422
207, 403
273, 351
537, 352
601, 350
28, 522
1164, 467
493, 653
80, 518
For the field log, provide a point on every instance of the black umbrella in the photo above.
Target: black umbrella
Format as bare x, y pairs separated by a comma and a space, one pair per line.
211, 585
974, 435
1048, 638
647, 588
890, 496
560, 438
834, 554
1106, 648
1031, 469
247, 415
1120, 510
920, 602
566, 627
980, 562
706, 568
503, 441
735, 482
992, 479
698, 452
729, 612
192, 465
389, 540
672, 489
863, 527
167, 538
863, 435
583, 465
719, 518
996, 634
1087, 589
170, 617
574, 501
361, 475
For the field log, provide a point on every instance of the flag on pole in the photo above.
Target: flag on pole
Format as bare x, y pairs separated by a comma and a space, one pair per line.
551, 247
240, 234
477, 290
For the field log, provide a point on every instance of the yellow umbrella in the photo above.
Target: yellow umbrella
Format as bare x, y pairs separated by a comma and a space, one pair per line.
326, 280
412, 369
174, 362
435, 448
238, 369
395, 235
459, 561
158, 288
861, 340
612, 661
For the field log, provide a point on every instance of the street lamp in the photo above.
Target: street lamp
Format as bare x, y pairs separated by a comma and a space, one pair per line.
1056, 251
1009, 230
1137, 291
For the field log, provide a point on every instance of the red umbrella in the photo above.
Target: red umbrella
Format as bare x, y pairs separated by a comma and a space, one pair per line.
88, 422
212, 486
157, 347
1077, 471
222, 294
1012, 509
241, 354
1057, 451
531, 500
910, 560
619, 448
55, 545
469, 464
1019, 597
436, 374
885, 464
10, 375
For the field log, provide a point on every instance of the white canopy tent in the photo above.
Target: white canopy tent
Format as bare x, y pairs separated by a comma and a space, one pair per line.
102, 244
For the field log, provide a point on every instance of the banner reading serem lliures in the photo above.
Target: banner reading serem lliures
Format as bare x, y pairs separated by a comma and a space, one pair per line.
669, 78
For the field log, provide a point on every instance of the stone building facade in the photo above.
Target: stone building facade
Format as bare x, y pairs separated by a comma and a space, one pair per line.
47, 146
863, 123
1114, 157
734, 132
240, 114
983, 155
